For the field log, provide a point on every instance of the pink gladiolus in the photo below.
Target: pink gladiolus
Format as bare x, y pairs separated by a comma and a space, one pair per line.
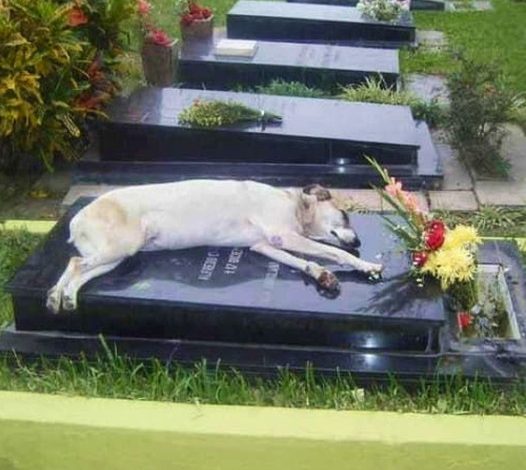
411, 202
394, 188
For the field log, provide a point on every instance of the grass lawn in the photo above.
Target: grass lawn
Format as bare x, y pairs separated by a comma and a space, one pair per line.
115, 377
499, 35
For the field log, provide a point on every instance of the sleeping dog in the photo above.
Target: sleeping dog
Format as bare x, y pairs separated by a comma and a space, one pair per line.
268, 220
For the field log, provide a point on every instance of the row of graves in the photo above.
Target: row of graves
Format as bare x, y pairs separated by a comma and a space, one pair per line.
249, 312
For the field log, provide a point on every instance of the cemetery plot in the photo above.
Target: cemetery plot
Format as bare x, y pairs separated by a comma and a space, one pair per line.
256, 315
233, 294
146, 127
294, 22
432, 5
316, 65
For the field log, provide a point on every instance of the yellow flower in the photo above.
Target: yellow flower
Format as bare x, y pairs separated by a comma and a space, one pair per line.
450, 265
461, 236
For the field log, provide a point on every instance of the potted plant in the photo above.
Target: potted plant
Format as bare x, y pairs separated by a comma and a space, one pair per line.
197, 22
159, 52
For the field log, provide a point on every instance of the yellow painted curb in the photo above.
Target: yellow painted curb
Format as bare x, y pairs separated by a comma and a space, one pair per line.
54, 432
33, 226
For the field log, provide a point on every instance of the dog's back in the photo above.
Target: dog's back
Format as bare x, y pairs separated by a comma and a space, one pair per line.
184, 214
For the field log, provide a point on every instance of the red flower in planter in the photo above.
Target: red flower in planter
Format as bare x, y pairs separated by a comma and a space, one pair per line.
464, 319
195, 13
206, 12
144, 7
187, 19
77, 17
435, 234
159, 37
419, 258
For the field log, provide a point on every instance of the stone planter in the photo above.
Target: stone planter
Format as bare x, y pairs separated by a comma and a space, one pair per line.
159, 63
199, 29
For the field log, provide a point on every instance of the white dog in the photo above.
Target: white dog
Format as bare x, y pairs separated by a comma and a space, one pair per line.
195, 213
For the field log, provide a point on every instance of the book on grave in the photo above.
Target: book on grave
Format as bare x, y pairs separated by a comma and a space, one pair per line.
235, 48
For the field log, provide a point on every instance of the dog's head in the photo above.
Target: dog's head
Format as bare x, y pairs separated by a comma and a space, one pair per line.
326, 219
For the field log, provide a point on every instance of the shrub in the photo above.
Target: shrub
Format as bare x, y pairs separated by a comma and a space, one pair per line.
375, 91
284, 88
56, 68
480, 104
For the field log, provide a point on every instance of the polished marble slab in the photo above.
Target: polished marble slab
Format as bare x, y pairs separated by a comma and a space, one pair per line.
330, 24
317, 65
145, 127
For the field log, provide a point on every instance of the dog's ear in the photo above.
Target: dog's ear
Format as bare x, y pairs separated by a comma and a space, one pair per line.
321, 193
307, 208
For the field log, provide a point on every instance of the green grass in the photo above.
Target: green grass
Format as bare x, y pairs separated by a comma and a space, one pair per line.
486, 35
113, 376
14, 249
116, 377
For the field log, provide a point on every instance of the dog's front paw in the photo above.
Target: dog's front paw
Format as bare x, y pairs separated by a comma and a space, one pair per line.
329, 281
374, 270
53, 300
69, 303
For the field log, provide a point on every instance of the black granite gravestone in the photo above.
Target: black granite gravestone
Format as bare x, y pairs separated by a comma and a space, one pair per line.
233, 294
243, 311
427, 173
433, 5
321, 66
294, 22
146, 127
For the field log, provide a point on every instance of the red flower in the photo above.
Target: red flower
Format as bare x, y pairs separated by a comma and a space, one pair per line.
77, 17
159, 37
144, 7
435, 234
194, 8
464, 319
195, 13
187, 19
419, 258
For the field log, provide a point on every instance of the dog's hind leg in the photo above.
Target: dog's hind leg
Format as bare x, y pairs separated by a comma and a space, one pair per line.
88, 271
322, 276
54, 295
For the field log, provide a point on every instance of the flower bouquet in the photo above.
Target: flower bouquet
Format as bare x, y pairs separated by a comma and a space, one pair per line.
383, 10
159, 52
447, 254
196, 21
218, 113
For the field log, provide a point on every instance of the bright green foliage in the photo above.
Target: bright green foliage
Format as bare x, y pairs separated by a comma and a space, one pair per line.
50, 71
480, 104
40, 58
222, 113
14, 248
284, 88
375, 91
